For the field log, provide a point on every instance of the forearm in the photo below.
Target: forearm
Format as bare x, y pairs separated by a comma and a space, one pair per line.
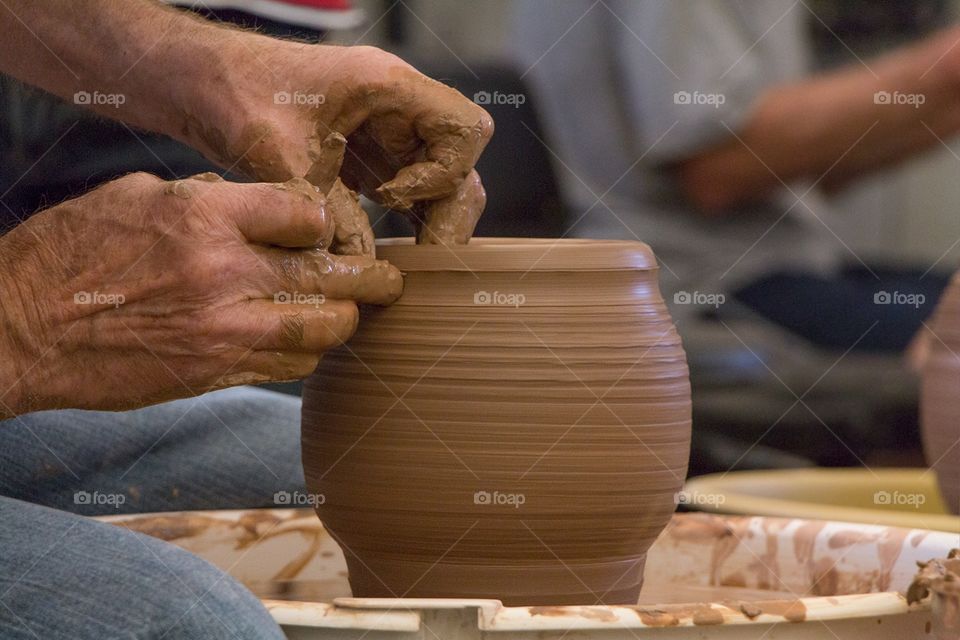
833, 126
138, 61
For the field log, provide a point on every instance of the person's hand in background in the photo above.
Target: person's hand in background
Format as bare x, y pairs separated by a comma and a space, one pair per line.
831, 127
144, 290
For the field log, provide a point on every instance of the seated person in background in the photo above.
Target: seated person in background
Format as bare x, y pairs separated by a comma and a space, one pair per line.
698, 126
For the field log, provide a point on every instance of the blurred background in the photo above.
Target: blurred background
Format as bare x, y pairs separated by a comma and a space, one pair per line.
796, 306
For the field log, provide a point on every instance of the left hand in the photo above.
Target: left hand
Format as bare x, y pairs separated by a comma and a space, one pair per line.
411, 142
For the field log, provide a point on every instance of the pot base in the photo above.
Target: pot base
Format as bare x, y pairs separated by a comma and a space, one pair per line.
561, 583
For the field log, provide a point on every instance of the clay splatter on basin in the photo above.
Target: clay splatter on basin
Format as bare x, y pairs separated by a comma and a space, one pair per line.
701, 572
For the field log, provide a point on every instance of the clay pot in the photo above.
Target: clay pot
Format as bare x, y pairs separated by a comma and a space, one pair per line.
940, 394
515, 427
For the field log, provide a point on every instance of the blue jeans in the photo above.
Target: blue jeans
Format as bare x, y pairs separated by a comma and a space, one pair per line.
65, 576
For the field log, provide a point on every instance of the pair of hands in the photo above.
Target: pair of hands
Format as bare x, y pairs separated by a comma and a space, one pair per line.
168, 289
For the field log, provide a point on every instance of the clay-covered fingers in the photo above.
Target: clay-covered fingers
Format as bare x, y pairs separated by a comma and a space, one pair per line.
314, 271
451, 220
287, 214
352, 234
327, 158
455, 132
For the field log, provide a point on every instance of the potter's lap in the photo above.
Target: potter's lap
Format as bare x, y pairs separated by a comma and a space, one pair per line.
227, 449
64, 576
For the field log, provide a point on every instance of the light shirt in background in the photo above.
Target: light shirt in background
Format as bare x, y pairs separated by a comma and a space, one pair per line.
627, 87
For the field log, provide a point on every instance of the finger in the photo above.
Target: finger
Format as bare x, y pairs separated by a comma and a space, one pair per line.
455, 137
327, 158
358, 278
451, 220
297, 327
352, 234
257, 367
288, 214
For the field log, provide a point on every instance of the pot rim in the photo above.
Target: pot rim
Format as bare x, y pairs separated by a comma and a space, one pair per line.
519, 254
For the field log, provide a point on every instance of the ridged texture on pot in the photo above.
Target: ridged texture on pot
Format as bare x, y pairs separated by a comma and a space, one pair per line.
472, 443
940, 395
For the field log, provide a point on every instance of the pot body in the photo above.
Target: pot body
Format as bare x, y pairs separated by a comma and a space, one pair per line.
940, 395
515, 427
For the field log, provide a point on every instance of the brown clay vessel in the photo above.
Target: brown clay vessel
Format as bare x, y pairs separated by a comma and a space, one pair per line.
515, 427
940, 394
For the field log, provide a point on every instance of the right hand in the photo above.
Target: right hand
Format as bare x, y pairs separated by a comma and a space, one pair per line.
143, 291
411, 142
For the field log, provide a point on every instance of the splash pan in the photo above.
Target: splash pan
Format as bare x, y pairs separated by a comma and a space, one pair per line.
707, 576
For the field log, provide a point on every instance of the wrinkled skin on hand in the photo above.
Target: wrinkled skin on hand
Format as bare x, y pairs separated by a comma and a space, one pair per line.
143, 291
412, 142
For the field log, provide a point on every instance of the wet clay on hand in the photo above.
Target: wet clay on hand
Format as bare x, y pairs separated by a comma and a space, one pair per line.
410, 141
514, 427
451, 220
448, 220
352, 233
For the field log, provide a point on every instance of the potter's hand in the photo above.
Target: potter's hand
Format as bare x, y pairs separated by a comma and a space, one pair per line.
143, 291
264, 106
412, 141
